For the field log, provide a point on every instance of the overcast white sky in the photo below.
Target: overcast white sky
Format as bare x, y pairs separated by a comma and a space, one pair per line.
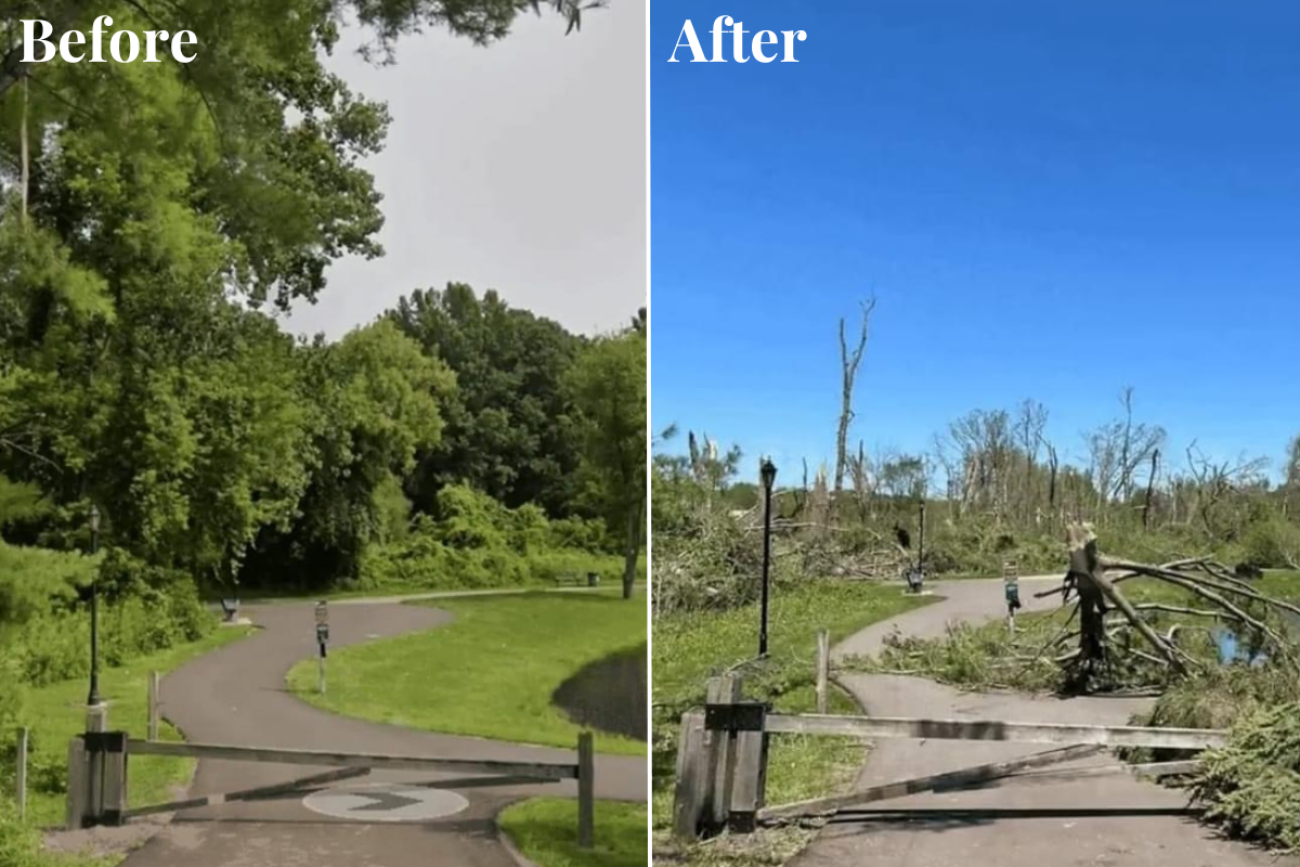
520, 167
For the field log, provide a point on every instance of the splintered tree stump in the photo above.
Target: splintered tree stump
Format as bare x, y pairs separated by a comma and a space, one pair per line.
1087, 575
1082, 576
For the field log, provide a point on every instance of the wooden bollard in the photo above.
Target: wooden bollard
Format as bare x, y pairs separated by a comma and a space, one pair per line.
823, 668
586, 791
155, 696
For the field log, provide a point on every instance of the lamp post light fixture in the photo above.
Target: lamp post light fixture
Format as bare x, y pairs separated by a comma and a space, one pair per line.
768, 473
93, 699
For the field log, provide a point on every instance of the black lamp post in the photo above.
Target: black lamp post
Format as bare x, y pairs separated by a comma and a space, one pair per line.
768, 473
920, 546
93, 700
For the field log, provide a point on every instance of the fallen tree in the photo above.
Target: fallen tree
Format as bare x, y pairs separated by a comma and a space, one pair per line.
1106, 616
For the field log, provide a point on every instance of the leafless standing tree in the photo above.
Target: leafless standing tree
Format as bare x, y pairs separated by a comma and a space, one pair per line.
1030, 424
849, 363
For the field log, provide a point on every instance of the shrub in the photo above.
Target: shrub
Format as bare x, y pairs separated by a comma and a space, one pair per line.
1251, 786
475, 542
1272, 542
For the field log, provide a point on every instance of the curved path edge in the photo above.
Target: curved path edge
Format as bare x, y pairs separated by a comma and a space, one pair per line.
238, 695
1060, 841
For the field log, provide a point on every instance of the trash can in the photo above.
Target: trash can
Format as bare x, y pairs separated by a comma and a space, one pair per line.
593, 579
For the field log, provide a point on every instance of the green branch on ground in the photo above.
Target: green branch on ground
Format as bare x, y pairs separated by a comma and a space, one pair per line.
1251, 786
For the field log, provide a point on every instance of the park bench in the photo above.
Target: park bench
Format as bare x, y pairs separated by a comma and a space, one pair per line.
230, 607
573, 579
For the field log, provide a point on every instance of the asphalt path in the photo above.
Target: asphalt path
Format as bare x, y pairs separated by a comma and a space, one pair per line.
237, 695
1135, 835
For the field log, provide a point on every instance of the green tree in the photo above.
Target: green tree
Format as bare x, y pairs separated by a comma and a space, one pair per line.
510, 429
375, 399
609, 388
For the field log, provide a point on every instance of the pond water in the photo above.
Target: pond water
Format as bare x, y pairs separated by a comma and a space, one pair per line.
608, 694
1231, 648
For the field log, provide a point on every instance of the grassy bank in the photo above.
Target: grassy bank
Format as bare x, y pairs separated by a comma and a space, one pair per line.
688, 648
490, 673
545, 831
20, 845
59, 714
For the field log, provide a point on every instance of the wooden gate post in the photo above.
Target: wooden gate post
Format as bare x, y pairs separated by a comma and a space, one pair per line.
823, 667
586, 791
749, 785
78, 785
115, 758
155, 696
720, 750
96, 724
689, 789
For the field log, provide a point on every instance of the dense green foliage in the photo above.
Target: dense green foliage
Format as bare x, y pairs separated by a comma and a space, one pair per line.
154, 221
608, 385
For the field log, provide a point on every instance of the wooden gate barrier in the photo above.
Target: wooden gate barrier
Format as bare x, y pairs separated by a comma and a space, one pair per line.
722, 756
98, 762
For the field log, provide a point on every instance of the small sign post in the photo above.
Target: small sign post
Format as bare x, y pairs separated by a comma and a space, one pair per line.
322, 638
1011, 585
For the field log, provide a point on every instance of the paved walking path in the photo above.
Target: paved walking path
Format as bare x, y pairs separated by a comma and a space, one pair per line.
237, 695
1060, 841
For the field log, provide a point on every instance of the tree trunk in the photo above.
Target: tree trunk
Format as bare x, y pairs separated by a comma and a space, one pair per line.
1151, 485
849, 364
633, 548
1084, 569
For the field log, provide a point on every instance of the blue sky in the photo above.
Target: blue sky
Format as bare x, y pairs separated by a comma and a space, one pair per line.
1048, 200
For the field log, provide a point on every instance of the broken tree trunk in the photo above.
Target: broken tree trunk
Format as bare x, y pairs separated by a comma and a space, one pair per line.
1092, 606
849, 362
1094, 590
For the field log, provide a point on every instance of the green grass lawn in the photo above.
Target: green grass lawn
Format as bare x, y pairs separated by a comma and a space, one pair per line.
545, 830
60, 711
490, 673
689, 648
